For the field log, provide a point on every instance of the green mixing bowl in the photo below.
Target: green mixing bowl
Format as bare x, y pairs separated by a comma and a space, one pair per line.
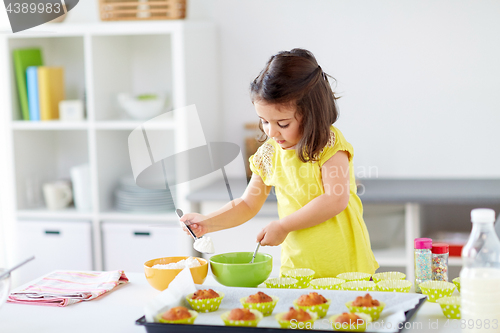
235, 270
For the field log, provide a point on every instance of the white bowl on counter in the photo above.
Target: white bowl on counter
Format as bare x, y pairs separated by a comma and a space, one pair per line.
143, 107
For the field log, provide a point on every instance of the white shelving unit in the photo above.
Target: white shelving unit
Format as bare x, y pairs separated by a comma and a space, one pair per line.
101, 60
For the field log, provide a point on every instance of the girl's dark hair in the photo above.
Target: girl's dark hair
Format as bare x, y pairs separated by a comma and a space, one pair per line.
294, 78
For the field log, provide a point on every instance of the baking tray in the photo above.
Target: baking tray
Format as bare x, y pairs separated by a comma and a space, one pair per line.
163, 328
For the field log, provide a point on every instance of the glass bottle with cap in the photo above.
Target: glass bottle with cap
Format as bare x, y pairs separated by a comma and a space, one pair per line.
440, 253
423, 261
480, 275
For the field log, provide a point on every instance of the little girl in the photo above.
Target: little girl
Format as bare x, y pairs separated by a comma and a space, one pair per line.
309, 162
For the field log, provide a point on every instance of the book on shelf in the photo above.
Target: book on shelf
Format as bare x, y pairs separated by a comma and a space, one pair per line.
50, 91
24, 58
32, 84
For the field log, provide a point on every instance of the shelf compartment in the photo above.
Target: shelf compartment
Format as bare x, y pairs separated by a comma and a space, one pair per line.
129, 64
45, 156
49, 125
165, 219
131, 125
66, 52
68, 214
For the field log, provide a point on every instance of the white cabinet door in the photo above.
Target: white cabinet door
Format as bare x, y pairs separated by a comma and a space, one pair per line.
62, 245
128, 246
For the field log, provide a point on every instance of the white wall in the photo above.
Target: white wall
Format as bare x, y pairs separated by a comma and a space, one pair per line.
418, 79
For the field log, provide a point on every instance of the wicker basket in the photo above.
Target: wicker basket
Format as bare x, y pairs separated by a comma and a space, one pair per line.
138, 10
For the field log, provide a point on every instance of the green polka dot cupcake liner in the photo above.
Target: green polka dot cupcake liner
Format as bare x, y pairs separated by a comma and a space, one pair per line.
248, 323
399, 286
326, 283
361, 327
377, 277
302, 275
265, 308
205, 305
435, 290
296, 325
320, 309
373, 311
186, 321
450, 306
282, 283
456, 281
354, 276
359, 286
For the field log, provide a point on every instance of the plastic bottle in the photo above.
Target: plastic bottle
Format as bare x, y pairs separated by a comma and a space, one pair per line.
423, 261
480, 275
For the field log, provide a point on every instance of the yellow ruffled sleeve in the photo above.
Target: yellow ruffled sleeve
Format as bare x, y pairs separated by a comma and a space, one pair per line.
261, 162
335, 143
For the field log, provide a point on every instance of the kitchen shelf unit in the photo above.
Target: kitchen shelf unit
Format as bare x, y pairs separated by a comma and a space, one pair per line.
101, 60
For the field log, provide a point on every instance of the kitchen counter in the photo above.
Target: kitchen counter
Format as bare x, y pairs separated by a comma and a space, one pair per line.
118, 311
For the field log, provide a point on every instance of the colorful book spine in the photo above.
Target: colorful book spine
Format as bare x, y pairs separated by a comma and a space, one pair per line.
32, 82
24, 58
50, 91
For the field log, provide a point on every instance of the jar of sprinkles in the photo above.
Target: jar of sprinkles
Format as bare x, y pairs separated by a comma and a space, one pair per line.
440, 252
423, 261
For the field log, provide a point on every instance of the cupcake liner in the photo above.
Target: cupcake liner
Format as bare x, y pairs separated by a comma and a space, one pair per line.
351, 328
187, 321
456, 281
299, 324
326, 283
320, 309
377, 277
205, 305
250, 323
286, 283
354, 276
450, 306
436, 289
373, 311
265, 308
400, 286
359, 286
302, 275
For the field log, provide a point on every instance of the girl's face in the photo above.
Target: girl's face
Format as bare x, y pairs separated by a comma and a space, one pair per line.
280, 123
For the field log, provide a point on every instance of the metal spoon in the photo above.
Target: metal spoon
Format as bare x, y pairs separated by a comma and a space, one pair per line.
7, 272
180, 213
255, 252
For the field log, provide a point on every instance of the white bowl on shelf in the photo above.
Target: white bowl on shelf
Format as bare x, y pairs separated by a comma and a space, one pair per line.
143, 107
4, 288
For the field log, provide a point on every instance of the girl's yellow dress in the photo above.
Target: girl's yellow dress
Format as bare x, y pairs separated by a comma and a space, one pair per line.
340, 244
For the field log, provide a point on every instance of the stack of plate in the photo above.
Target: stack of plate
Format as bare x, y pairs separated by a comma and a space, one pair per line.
131, 198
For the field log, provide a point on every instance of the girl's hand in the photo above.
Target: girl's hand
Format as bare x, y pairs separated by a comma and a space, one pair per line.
196, 222
272, 234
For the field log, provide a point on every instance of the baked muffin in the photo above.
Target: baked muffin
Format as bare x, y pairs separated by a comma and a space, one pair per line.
241, 317
313, 302
365, 301
299, 315
366, 305
348, 318
205, 300
178, 315
241, 314
350, 322
296, 319
260, 302
205, 294
260, 297
311, 299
